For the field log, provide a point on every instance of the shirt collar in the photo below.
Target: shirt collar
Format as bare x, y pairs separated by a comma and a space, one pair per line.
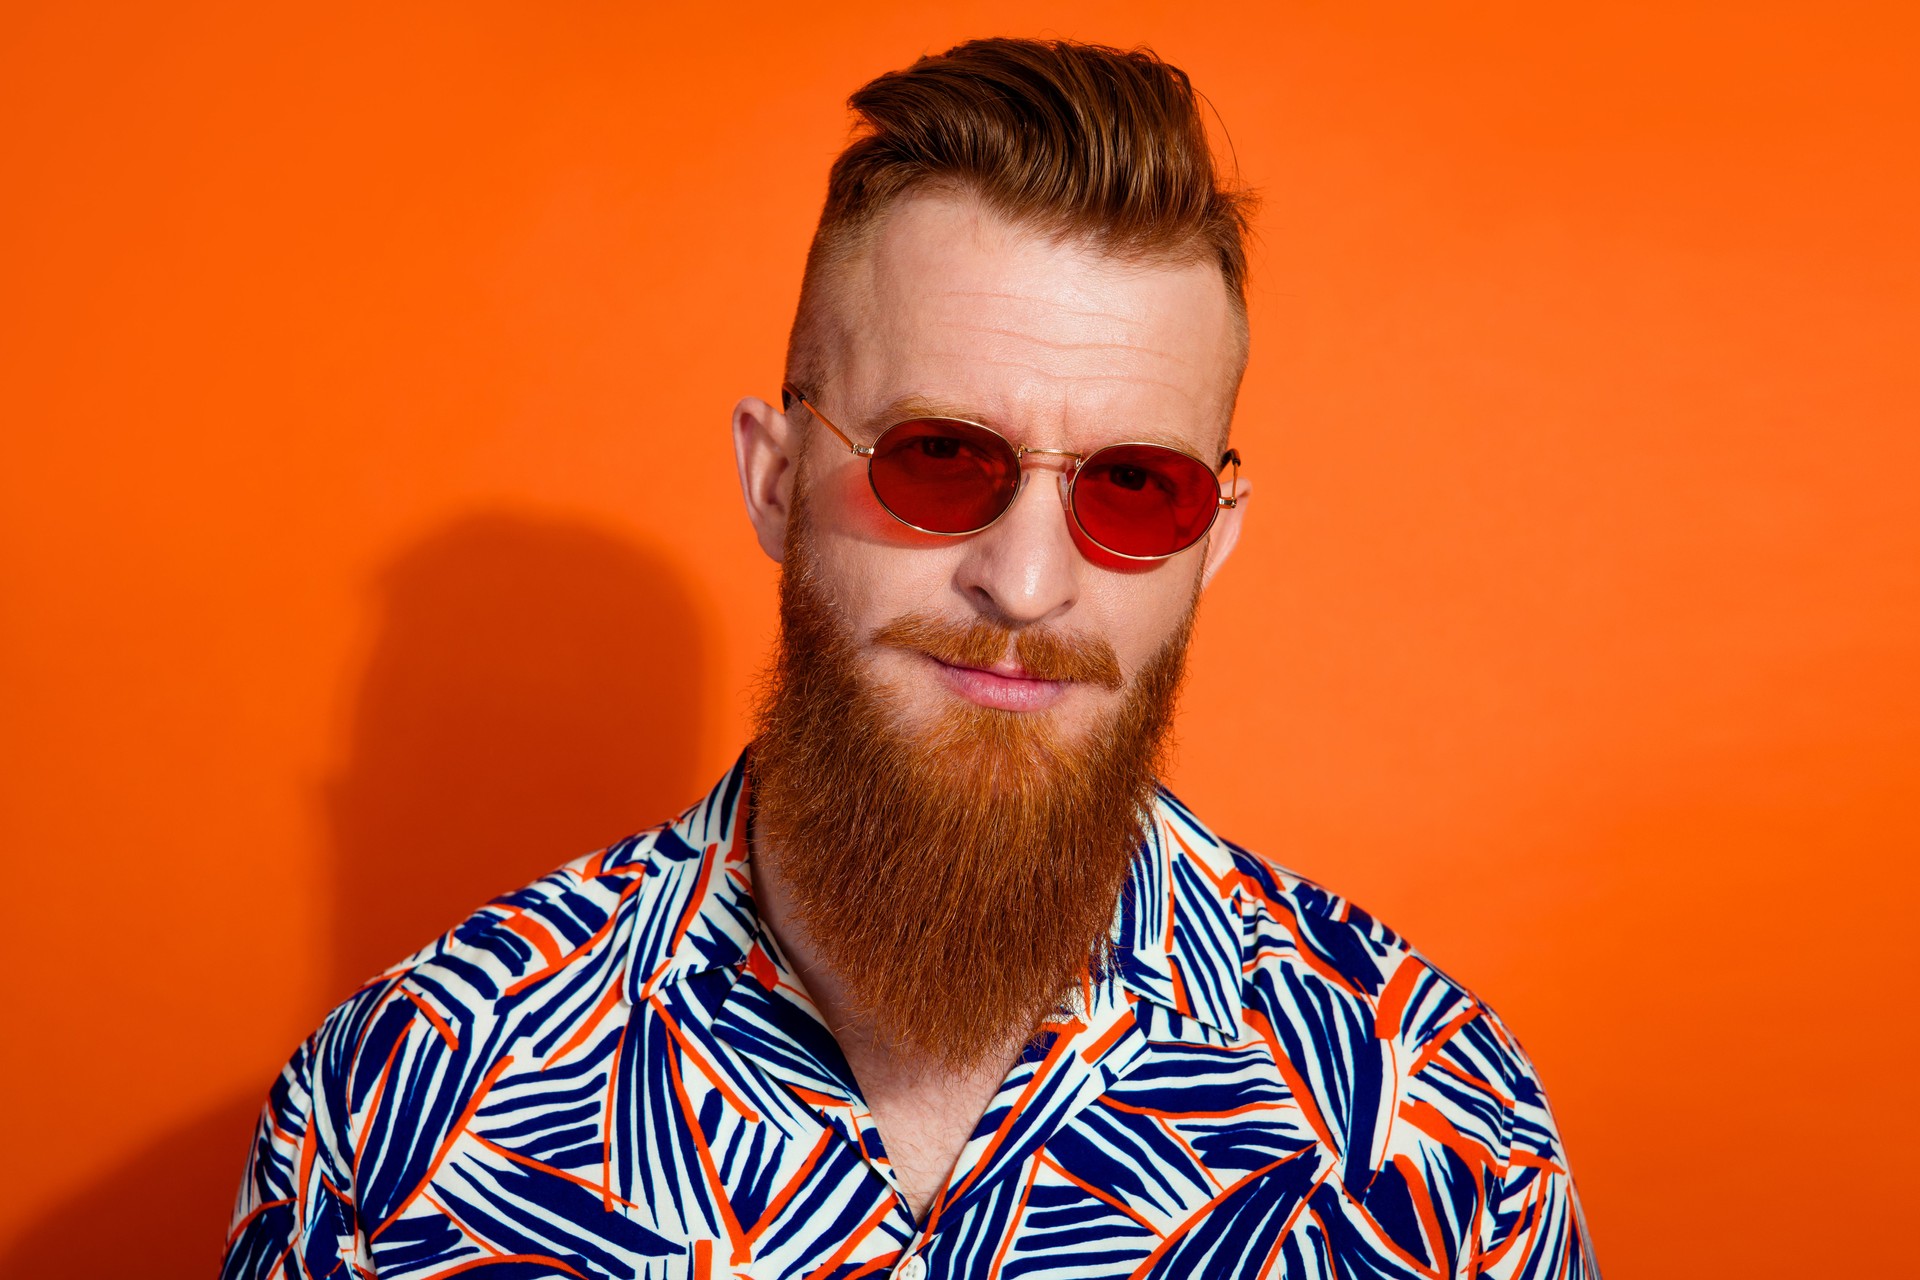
1176, 931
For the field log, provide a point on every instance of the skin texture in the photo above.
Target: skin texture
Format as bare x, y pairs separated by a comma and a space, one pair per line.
1056, 346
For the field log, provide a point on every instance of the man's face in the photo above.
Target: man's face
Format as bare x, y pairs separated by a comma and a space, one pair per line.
952, 311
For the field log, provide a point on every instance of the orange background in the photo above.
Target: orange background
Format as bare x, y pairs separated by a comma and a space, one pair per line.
370, 541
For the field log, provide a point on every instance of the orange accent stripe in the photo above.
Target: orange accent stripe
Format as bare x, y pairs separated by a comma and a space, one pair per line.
1326, 1236
1393, 1001
1166, 1126
1223, 884
253, 1213
1427, 1118
779, 1202
1286, 1228
879, 1262
1295, 1081
1528, 1160
471, 1263
309, 1146
852, 1242
327, 1182
1093, 1191
439, 1023
536, 934
1013, 1223
1475, 1082
715, 1189
1045, 1069
1423, 1209
559, 962
450, 1216
1535, 1211
1283, 916
1180, 1001
366, 1027
593, 1020
687, 913
1491, 1259
606, 1193
688, 1050
1439, 1042
1189, 1115
1167, 942
1094, 1051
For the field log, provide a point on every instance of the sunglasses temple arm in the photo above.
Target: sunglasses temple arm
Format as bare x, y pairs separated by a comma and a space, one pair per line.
790, 395
1230, 459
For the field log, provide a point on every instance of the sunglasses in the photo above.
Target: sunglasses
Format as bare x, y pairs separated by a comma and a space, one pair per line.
952, 477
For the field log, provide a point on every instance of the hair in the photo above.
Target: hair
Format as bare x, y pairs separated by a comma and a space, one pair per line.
1079, 142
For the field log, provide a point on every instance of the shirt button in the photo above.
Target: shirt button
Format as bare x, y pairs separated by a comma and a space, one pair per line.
914, 1268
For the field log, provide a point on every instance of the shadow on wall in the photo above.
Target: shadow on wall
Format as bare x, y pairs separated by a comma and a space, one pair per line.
531, 696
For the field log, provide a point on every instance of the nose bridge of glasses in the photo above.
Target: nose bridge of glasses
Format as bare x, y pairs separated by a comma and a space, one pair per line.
1070, 460
1063, 472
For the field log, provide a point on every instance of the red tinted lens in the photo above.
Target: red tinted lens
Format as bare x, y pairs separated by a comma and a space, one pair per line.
1144, 500
943, 475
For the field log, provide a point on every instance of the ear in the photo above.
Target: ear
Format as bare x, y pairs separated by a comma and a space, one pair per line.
1226, 530
763, 448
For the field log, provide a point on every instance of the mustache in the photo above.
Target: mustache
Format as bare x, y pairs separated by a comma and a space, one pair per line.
1044, 654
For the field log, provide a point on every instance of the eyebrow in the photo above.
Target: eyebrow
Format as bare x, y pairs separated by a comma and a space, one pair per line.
915, 405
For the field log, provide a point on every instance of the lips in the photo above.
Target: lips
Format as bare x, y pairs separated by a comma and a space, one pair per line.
1008, 670
1004, 687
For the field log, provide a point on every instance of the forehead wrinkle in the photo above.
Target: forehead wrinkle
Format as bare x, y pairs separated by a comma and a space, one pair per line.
1054, 375
1055, 304
1052, 345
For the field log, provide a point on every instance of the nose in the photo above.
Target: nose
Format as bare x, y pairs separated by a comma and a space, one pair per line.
1024, 567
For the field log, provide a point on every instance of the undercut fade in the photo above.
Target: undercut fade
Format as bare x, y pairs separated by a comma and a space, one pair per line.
1079, 142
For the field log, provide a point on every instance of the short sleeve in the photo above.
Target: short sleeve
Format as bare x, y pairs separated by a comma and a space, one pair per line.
293, 1217
1532, 1227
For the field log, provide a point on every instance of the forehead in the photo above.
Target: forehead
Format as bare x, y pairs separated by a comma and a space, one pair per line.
950, 307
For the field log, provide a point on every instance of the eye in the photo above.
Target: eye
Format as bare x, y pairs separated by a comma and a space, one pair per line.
1127, 477
942, 447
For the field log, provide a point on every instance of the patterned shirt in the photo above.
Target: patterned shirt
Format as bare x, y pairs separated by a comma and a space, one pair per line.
613, 1072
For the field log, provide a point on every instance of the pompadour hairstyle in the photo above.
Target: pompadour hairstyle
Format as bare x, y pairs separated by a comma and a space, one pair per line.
1076, 141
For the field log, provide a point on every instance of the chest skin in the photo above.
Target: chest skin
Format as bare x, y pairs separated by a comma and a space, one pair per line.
925, 1113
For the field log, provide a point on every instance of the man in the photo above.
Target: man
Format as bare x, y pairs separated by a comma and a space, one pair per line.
936, 982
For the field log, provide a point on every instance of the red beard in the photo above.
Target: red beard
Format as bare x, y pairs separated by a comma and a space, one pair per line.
960, 881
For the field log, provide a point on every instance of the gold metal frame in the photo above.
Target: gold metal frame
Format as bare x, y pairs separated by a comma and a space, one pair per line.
790, 395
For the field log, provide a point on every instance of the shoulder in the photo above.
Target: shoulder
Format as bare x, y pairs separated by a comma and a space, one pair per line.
1327, 943
1369, 1023
540, 957
532, 965
1432, 1109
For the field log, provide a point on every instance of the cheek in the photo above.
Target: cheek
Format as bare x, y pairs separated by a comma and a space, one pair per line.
874, 580
1141, 612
